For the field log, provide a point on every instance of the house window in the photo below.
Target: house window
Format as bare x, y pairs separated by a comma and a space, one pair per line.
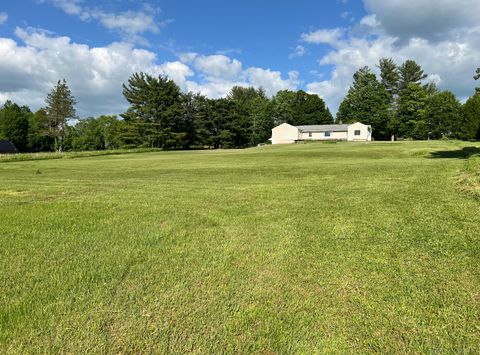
309, 134
357, 132
327, 134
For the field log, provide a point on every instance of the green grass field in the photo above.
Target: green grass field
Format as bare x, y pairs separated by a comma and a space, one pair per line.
306, 248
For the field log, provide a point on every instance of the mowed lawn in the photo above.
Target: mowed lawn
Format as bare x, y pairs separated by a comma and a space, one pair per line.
346, 247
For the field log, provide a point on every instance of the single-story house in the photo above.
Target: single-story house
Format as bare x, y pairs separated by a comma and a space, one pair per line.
7, 147
286, 133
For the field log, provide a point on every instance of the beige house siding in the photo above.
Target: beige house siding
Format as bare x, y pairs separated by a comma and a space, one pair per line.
321, 136
285, 134
363, 130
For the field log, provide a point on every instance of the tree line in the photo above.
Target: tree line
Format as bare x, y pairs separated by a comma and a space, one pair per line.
399, 106
160, 115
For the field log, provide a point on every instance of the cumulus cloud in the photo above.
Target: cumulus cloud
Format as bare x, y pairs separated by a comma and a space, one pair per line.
324, 36
449, 61
95, 74
218, 66
31, 66
3, 17
130, 24
218, 73
71, 7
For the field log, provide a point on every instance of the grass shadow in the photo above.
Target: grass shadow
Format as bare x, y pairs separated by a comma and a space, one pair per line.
463, 153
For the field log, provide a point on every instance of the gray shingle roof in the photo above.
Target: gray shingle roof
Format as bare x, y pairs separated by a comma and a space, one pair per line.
324, 127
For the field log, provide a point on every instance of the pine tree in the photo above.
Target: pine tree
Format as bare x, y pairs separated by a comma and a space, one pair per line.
367, 101
390, 76
60, 108
469, 126
410, 72
442, 115
157, 112
283, 110
410, 116
310, 109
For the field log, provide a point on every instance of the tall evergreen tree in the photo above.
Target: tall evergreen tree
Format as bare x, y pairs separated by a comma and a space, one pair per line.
469, 126
442, 115
262, 119
156, 110
213, 123
390, 76
300, 108
283, 110
410, 72
310, 109
367, 101
60, 108
410, 116
191, 104
477, 74
243, 122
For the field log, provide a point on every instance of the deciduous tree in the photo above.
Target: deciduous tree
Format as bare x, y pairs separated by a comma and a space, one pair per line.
38, 132
14, 122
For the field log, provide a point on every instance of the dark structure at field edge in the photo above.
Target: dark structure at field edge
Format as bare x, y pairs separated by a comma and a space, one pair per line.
7, 147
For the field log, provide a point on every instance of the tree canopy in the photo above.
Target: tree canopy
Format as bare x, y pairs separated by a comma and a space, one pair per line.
399, 103
367, 101
410, 73
60, 108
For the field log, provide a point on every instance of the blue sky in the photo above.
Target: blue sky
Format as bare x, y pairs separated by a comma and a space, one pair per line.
209, 46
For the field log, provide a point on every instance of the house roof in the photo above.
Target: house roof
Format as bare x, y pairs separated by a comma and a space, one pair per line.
324, 127
7, 147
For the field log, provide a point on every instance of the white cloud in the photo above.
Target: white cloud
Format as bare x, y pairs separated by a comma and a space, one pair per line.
71, 7
299, 51
187, 57
30, 68
219, 73
178, 72
3, 17
271, 81
218, 65
370, 21
324, 36
449, 61
95, 74
130, 24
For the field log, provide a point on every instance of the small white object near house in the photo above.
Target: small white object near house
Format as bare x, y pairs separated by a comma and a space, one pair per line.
286, 133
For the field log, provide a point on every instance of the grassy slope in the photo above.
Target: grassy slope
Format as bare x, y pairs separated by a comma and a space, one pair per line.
345, 247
